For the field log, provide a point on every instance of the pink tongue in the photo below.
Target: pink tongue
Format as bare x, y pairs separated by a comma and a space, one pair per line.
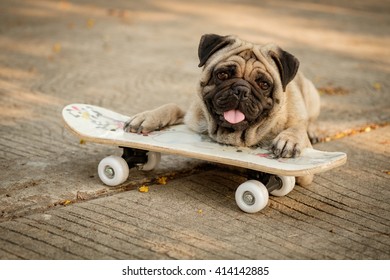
234, 116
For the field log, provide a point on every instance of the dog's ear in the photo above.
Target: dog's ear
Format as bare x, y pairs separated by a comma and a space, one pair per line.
209, 44
287, 65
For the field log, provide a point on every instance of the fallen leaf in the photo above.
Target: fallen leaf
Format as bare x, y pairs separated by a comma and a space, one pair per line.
143, 189
377, 86
90, 23
57, 48
339, 135
65, 202
162, 180
331, 90
354, 131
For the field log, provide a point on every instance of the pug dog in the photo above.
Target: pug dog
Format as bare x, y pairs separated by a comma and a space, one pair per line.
248, 95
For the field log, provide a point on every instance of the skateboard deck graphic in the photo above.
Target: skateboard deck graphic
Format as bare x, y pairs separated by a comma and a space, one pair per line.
95, 124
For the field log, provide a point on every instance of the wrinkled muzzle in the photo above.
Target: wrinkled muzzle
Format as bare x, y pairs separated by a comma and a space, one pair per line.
235, 104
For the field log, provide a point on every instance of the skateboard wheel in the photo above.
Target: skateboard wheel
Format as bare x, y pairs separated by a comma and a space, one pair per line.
288, 183
153, 160
251, 196
113, 170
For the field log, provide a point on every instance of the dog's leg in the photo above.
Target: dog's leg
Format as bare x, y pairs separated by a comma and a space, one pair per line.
290, 142
156, 119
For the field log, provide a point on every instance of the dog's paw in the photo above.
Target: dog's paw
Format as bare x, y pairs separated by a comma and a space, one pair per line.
312, 134
314, 139
289, 144
144, 123
156, 119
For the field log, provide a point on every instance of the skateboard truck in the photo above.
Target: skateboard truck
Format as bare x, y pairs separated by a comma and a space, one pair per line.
271, 182
114, 170
141, 159
252, 195
134, 157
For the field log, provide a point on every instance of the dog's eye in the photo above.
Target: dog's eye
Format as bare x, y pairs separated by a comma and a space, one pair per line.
264, 85
222, 76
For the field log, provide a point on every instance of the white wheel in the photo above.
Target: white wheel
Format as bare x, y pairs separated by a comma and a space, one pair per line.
288, 183
251, 196
153, 160
113, 170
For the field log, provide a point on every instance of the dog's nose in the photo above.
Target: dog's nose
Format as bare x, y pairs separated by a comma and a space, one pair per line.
241, 92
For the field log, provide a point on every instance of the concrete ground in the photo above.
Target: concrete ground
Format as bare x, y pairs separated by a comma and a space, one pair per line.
132, 56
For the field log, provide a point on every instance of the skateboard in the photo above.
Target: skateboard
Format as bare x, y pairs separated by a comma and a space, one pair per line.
266, 174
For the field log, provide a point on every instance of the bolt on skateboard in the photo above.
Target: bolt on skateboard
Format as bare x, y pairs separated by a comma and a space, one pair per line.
266, 174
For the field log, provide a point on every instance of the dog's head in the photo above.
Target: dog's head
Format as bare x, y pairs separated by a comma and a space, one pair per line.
242, 82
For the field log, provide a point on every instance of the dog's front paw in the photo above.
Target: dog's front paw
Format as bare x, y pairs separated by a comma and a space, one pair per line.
144, 122
290, 144
156, 119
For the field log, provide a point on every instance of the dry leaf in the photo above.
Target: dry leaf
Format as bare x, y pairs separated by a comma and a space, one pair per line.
331, 90
57, 48
162, 180
65, 202
351, 132
377, 86
143, 189
90, 23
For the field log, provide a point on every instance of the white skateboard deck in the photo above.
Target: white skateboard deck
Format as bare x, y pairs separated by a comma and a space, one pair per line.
95, 124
